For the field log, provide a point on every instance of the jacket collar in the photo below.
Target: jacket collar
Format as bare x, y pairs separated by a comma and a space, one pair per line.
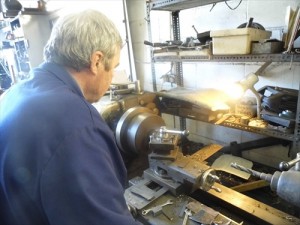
62, 74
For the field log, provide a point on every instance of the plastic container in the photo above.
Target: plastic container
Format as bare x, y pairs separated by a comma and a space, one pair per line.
236, 41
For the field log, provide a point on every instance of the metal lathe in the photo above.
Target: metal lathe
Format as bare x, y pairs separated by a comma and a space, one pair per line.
170, 186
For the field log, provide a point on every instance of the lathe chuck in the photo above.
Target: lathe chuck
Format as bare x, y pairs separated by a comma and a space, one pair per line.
134, 128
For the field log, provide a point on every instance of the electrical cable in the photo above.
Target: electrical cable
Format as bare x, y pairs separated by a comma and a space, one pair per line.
213, 6
233, 8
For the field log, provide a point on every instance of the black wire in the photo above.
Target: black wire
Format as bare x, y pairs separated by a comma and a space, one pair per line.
214, 4
234, 7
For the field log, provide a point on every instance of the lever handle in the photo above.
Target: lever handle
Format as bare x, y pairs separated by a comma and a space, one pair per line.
287, 165
163, 130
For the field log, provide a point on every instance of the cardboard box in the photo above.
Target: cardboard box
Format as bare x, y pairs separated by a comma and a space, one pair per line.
236, 41
267, 47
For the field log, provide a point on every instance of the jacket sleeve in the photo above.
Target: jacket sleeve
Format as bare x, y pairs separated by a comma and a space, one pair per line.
83, 182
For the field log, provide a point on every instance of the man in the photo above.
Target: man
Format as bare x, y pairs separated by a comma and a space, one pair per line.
59, 160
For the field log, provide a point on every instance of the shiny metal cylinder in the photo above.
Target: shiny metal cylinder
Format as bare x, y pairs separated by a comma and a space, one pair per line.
297, 165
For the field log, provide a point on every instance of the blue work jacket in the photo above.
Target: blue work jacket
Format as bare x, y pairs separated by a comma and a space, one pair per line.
60, 164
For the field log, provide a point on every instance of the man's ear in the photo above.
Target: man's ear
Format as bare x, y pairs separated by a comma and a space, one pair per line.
96, 61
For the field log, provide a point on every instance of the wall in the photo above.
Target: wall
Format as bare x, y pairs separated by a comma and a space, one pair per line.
137, 13
37, 26
112, 9
269, 13
37, 30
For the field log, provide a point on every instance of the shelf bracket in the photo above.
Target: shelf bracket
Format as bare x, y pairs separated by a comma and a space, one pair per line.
263, 67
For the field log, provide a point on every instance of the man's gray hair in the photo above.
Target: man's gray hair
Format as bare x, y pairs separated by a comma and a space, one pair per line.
76, 36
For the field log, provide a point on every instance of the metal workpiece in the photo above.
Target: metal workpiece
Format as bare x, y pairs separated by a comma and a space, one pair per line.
157, 209
164, 132
286, 183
